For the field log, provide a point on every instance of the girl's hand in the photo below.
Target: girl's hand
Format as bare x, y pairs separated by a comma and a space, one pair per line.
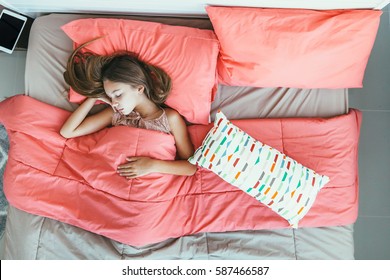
105, 99
136, 167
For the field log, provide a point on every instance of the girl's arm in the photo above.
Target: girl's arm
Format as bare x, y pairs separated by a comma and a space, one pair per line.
139, 166
183, 143
79, 124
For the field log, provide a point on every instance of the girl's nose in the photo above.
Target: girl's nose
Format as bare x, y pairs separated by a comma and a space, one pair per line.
114, 104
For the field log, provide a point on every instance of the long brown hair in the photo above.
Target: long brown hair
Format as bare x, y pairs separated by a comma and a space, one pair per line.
86, 71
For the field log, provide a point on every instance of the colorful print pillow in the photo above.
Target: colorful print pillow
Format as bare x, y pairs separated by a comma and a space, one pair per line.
293, 47
188, 55
271, 177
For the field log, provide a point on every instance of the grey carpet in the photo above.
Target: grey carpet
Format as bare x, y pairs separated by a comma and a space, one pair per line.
4, 146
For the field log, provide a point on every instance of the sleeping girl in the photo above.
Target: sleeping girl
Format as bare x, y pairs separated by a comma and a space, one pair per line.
136, 92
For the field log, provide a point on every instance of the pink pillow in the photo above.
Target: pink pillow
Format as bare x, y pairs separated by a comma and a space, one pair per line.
293, 48
188, 55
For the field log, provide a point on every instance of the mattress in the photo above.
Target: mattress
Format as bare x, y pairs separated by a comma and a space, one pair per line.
29, 236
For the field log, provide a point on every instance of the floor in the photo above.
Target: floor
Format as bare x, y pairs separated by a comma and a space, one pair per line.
12, 73
372, 229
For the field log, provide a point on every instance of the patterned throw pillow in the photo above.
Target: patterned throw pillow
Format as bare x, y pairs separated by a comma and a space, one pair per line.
271, 177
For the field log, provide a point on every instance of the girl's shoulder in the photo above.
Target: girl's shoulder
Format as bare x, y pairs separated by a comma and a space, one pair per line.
173, 116
172, 113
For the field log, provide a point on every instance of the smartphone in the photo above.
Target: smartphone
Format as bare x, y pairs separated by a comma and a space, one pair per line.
11, 27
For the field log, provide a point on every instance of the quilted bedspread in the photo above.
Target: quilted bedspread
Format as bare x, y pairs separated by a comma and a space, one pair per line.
75, 180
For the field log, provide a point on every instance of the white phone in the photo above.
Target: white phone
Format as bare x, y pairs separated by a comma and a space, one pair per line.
11, 27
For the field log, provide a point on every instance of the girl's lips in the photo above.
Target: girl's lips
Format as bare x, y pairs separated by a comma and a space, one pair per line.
122, 111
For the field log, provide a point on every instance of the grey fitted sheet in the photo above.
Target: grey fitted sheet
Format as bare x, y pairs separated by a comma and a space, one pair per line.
29, 236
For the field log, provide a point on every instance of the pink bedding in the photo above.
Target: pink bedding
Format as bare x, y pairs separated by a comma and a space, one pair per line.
74, 180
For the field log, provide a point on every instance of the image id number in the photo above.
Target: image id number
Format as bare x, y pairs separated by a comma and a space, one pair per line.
230, 270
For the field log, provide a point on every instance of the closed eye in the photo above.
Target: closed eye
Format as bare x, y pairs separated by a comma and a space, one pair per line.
115, 94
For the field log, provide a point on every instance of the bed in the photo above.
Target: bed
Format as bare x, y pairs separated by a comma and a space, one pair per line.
32, 236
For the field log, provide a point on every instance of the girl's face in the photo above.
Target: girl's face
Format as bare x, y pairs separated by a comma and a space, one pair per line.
124, 97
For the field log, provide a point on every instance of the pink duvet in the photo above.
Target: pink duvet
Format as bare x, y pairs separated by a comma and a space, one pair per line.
74, 180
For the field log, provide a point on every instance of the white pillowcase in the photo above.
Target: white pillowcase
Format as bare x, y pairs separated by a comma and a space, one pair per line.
271, 177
